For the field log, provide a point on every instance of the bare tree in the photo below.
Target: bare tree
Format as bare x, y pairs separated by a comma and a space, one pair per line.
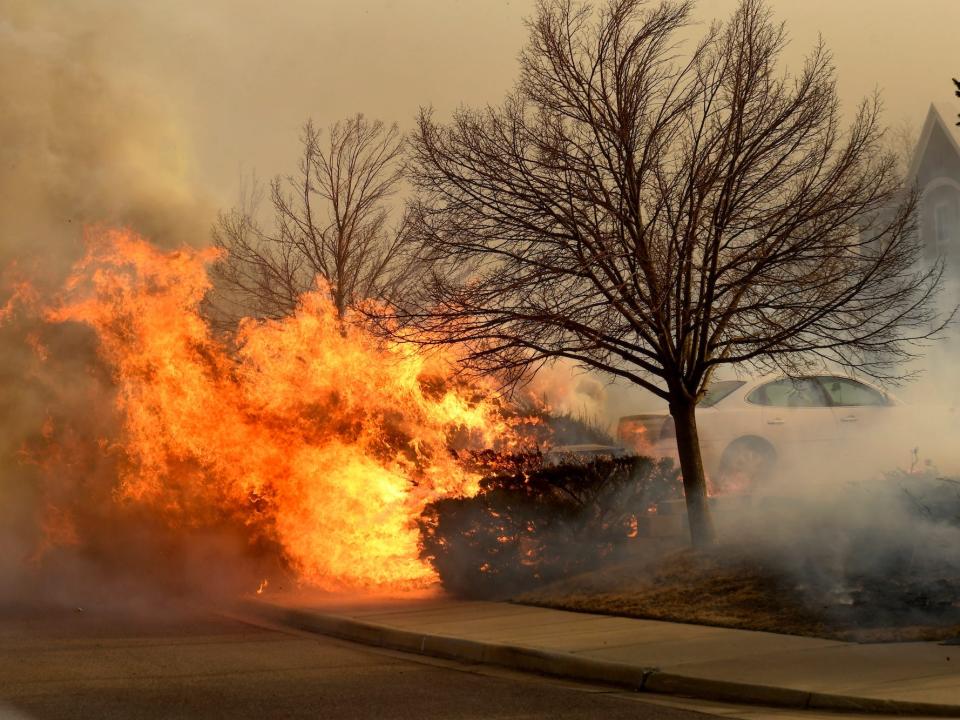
331, 220
656, 215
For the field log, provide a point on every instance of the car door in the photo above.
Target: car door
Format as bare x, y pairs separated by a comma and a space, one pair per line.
861, 411
796, 418
722, 417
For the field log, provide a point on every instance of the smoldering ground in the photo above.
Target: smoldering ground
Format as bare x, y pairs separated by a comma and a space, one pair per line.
866, 532
865, 523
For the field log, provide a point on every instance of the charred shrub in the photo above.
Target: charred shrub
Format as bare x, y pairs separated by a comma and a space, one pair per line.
533, 521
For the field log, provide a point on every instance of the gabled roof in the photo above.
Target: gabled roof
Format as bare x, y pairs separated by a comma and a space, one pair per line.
933, 122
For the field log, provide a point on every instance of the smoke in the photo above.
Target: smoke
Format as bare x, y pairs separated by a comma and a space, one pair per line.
93, 136
565, 388
574, 401
88, 140
865, 527
867, 520
82, 145
862, 524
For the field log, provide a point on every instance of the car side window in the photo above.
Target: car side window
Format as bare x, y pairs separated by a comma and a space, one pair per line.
847, 392
800, 392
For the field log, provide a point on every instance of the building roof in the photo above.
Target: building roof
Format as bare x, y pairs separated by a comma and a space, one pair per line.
935, 130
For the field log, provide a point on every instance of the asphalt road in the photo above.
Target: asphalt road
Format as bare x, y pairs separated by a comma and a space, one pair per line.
168, 664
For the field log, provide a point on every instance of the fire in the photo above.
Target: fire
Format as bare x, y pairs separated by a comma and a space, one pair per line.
58, 529
310, 431
23, 294
634, 434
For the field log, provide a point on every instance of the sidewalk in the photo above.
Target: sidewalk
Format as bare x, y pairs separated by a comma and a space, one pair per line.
690, 660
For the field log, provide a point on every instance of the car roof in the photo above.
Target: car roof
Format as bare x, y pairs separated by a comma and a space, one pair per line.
753, 382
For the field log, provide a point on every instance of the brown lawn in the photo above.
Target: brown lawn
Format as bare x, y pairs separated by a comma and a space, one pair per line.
729, 588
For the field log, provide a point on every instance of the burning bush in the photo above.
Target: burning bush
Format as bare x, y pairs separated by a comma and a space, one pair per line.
309, 434
532, 522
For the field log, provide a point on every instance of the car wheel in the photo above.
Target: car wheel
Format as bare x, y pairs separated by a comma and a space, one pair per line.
745, 465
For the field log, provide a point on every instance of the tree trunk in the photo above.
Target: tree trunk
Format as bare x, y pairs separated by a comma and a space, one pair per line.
694, 479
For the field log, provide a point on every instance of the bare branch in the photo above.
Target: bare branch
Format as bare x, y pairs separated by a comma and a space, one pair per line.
332, 222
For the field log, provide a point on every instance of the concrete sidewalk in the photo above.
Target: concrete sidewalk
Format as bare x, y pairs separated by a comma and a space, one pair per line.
690, 660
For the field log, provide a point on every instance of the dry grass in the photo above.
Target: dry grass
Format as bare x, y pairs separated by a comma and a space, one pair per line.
725, 588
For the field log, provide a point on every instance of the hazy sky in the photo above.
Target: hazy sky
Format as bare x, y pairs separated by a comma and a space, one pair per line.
149, 111
239, 76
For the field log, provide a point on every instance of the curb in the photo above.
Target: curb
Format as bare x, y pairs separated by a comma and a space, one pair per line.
577, 667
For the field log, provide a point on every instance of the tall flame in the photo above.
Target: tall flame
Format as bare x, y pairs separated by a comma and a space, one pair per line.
309, 430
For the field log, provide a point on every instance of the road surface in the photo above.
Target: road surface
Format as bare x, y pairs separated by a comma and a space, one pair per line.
165, 663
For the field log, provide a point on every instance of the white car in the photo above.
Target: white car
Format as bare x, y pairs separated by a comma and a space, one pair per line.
751, 429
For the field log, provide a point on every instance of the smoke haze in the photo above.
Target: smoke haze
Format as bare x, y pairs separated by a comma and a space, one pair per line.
146, 114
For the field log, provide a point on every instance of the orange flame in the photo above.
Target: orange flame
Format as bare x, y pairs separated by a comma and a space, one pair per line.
23, 294
57, 530
309, 430
635, 435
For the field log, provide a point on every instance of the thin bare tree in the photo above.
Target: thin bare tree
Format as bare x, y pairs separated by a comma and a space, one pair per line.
331, 220
656, 211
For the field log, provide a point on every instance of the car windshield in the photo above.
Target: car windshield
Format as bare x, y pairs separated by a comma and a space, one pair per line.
718, 391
